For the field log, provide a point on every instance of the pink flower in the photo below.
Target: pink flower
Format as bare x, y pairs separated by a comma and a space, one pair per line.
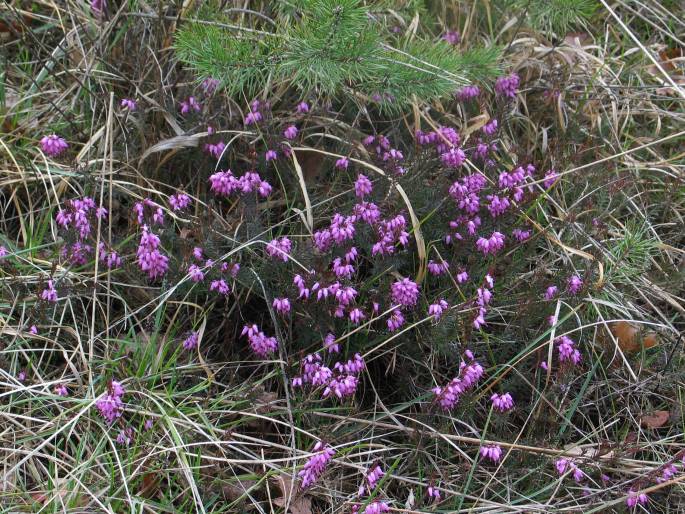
437, 268
179, 201
191, 104
551, 292
191, 341
279, 248
357, 316
492, 245
467, 93
342, 163
129, 104
453, 158
210, 84
433, 493
575, 284
452, 37
125, 436
330, 344
290, 132
33, 330
110, 405
396, 320
436, 309
502, 402
405, 292
550, 178
492, 452
634, 498
302, 108
282, 305
507, 86
53, 145
316, 464
521, 235
220, 286
362, 186
49, 294
149, 257
270, 155
260, 343
490, 128
376, 507
61, 390
216, 150
567, 350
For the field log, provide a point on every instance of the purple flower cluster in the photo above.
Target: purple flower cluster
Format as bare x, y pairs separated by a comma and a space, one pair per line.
567, 465
282, 305
491, 452
149, 256
129, 104
179, 201
316, 464
507, 86
110, 405
216, 150
575, 284
469, 375
452, 37
404, 292
190, 104
255, 114
502, 402
467, 93
141, 210
339, 382
373, 475
390, 232
260, 343
279, 248
224, 183
53, 145
491, 245
190, 342
436, 309
49, 294
567, 350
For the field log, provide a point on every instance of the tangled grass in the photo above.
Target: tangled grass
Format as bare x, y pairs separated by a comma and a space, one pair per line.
208, 425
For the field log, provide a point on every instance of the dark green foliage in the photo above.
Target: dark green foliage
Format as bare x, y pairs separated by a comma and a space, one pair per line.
241, 62
332, 48
556, 15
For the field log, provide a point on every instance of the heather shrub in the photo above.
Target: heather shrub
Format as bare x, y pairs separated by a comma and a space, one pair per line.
338, 256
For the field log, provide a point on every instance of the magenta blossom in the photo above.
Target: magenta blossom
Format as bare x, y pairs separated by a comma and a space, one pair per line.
129, 104
191, 341
282, 305
575, 284
61, 390
110, 405
49, 294
53, 145
502, 402
190, 104
279, 248
405, 292
491, 452
316, 464
507, 86
290, 132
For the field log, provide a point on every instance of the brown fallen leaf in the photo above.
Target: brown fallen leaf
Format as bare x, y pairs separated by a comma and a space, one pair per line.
655, 419
298, 502
629, 338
